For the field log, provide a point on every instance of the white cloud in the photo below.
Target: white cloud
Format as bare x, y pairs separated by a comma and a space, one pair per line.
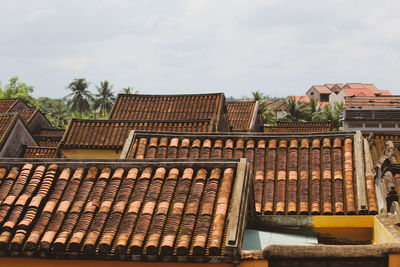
280, 47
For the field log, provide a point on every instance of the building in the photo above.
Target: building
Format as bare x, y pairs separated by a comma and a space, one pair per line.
13, 135
299, 127
319, 92
244, 116
372, 114
177, 108
148, 212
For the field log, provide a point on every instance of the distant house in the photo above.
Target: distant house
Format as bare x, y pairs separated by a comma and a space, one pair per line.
245, 116
335, 92
319, 92
372, 114
279, 106
14, 135
350, 92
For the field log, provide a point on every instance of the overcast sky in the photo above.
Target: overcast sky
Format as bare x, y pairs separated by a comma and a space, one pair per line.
198, 46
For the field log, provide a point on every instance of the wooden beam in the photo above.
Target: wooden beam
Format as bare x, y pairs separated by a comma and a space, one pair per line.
127, 146
238, 210
362, 203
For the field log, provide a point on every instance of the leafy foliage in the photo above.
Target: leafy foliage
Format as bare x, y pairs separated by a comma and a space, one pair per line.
295, 111
129, 90
17, 89
80, 97
104, 99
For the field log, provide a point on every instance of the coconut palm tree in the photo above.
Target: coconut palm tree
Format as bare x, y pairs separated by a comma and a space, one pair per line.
313, 110
104, 99
294, 110
333, 114
129, 90
80, 97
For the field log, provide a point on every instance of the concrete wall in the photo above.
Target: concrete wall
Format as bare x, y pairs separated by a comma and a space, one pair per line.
334, 98
313, 93
38, 122
17, 139
371, 126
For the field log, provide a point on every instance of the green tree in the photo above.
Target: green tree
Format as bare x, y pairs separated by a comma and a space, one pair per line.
294, 110
79, 99
313, 110
104, 98
333, 114
17, 89
59, 114
129, 90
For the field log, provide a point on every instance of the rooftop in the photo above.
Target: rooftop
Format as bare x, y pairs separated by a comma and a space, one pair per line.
167, 107
372, 102
294, 174
241, 114
111, 134
123, 210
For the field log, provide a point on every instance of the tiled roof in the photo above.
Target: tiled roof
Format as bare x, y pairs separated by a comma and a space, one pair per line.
322, 89
111, 134
358, 91
6, 122
302, 98
298, 127
48, 142
385, 92
123, 210
372, 102
294, 174
7, 104
40, 152
49, 137
167, 107
241, 114
331, 85
369, 86
26, 114
51, 132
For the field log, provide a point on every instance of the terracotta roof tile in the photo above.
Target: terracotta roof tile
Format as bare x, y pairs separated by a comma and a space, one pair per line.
40, 152
372, 102
166, 107
132, 208
7, 104
26, 114
111, 134
358, 91
322, 89
240, 114
49, 137
294, 174
298, 127
50, 133
369, 86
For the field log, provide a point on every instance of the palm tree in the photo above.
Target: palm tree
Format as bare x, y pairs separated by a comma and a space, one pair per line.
104, 99
313, 110
80, 96
294, 110
59, 114
129, 90
333, 114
